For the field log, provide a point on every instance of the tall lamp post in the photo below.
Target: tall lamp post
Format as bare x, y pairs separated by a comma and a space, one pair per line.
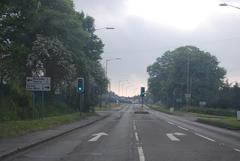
229, 5
127, 87
106, 70
107, 61
119, 86
106, 28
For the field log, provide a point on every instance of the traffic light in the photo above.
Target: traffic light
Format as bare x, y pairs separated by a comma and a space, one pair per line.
80, 85
142, 94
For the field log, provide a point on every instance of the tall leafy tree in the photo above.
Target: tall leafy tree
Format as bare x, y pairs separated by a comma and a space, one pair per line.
169, 76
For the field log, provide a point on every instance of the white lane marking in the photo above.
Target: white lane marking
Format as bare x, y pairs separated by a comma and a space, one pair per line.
171, 123
238, 150
179, 134
205, 137
141, 154
136, 136
182, 128
172, 137
97, 136
134, 127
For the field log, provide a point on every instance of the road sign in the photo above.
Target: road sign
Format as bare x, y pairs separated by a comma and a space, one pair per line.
38, 83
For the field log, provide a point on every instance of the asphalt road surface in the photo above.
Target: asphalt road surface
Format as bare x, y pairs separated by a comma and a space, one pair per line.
126, 136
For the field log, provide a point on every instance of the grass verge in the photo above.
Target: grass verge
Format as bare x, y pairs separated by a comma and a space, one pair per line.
215, 118
106, 107
228, 122
15, 128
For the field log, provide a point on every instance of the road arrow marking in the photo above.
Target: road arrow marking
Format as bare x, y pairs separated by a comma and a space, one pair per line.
179, 134
97, 136
174, 138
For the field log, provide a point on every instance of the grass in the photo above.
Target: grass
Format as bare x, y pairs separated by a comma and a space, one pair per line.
103, 108
15, 128
164, 110
106, 107
227, 122
217, 117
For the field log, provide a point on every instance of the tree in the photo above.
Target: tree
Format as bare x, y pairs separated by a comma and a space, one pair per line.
169, 76
49, 37
50, 57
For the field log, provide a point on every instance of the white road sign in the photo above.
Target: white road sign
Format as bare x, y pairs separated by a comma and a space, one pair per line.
38, 83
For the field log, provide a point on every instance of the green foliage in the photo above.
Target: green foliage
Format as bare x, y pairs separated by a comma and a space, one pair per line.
210, 111
228, 122
15, 128
168, 76
48, 37
228, 96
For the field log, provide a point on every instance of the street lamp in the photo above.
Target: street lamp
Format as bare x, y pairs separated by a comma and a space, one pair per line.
126, 83
127, 87
225, 4
106, 28
119, 85
108, 60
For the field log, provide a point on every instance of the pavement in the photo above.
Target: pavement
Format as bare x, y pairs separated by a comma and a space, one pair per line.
10, 146
129, 136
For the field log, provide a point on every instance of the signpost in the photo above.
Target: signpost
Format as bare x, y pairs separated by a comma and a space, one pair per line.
35, 84
38, 83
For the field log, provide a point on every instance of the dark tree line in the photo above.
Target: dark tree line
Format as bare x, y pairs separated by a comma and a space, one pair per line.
50, 38
188, 71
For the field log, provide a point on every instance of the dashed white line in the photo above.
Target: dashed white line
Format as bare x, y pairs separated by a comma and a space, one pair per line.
182, 128
136, 136
171, 123
141, 154
205, 137
172, 137
238, 150
134, 127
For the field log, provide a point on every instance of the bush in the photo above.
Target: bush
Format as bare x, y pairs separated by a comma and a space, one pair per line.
210, 111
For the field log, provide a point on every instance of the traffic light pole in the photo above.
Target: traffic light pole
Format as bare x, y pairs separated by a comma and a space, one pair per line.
81, 102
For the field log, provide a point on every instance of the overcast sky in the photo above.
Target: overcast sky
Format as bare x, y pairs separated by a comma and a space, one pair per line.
145, 29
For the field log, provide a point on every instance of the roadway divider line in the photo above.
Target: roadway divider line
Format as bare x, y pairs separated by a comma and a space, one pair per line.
134, 127
141, 154
182, 128
171, 123
136, 136
238, 150
207, 138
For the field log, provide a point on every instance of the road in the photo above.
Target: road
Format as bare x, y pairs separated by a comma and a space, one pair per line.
126, 136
